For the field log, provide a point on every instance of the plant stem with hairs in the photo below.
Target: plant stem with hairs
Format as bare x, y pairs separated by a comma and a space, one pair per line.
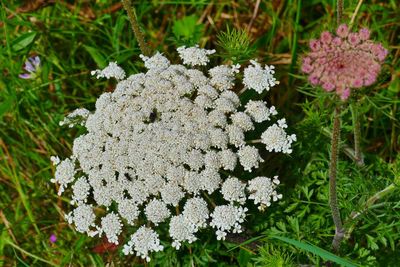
357, 134
339, 11
135, 27
333, 203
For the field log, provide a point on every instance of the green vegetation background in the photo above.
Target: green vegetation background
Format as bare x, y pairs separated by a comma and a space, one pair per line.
74, 37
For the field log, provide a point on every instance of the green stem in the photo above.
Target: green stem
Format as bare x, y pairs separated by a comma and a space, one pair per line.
144, 47
339, 231
357, 134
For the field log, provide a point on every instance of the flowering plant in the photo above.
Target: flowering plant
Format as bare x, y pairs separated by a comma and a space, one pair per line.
162, 145
344, 61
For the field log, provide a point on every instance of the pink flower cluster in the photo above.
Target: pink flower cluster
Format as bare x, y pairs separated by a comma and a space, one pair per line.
344, 61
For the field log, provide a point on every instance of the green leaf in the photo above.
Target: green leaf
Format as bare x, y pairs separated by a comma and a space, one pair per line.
23, 41
97, 56
243, 258
187, 31
326, 255
251, 240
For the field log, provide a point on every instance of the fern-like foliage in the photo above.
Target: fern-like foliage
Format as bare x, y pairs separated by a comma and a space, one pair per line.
236, 45
274, 256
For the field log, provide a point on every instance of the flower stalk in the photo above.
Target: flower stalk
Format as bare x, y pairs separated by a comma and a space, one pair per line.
357, 134
339, 231
339, 11
144, 47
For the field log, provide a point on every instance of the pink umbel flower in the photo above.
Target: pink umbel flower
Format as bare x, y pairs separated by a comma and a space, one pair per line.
343, 61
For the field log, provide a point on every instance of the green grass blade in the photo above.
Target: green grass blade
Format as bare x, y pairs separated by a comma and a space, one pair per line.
326, 255
8, 242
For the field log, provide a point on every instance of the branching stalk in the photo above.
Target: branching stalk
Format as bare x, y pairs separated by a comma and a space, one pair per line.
339, 231
144, 47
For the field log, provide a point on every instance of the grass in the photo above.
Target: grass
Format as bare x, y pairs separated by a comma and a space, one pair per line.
73, 38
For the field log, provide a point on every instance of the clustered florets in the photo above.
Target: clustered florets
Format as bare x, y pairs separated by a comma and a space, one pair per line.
352, 56
157, 144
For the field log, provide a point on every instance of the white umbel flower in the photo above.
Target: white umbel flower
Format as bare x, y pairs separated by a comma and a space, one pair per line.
80, 190
227, 218
222, 77
156, 211
181, 229
258, 78
83, 217
111, 226
249, 157
162, 139
196, 211
144, 241
233, 190
111, 71
258, 111
64, 175
262, 191
276, 139
243, 121
228, 159
194, 56
128, 210
171, 194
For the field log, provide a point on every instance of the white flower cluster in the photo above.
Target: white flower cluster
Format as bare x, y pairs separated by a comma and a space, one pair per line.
259, 79
160, 142
194, 56
111, 71
78, 116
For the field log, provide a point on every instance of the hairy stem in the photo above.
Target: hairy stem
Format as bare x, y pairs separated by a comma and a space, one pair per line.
339, 11
339, 231
357, 134
135, 27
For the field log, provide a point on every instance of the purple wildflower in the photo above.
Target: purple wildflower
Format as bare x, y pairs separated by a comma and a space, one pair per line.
32, 65
345, 61
53, 238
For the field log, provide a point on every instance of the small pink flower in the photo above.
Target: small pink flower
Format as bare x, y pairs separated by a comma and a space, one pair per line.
353, 38
342, 31
306, 68
328, 86
337, 41
313, 79
315, 45
53, 238
345, 94
326, 37
364, 34
307, 60
357, 83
